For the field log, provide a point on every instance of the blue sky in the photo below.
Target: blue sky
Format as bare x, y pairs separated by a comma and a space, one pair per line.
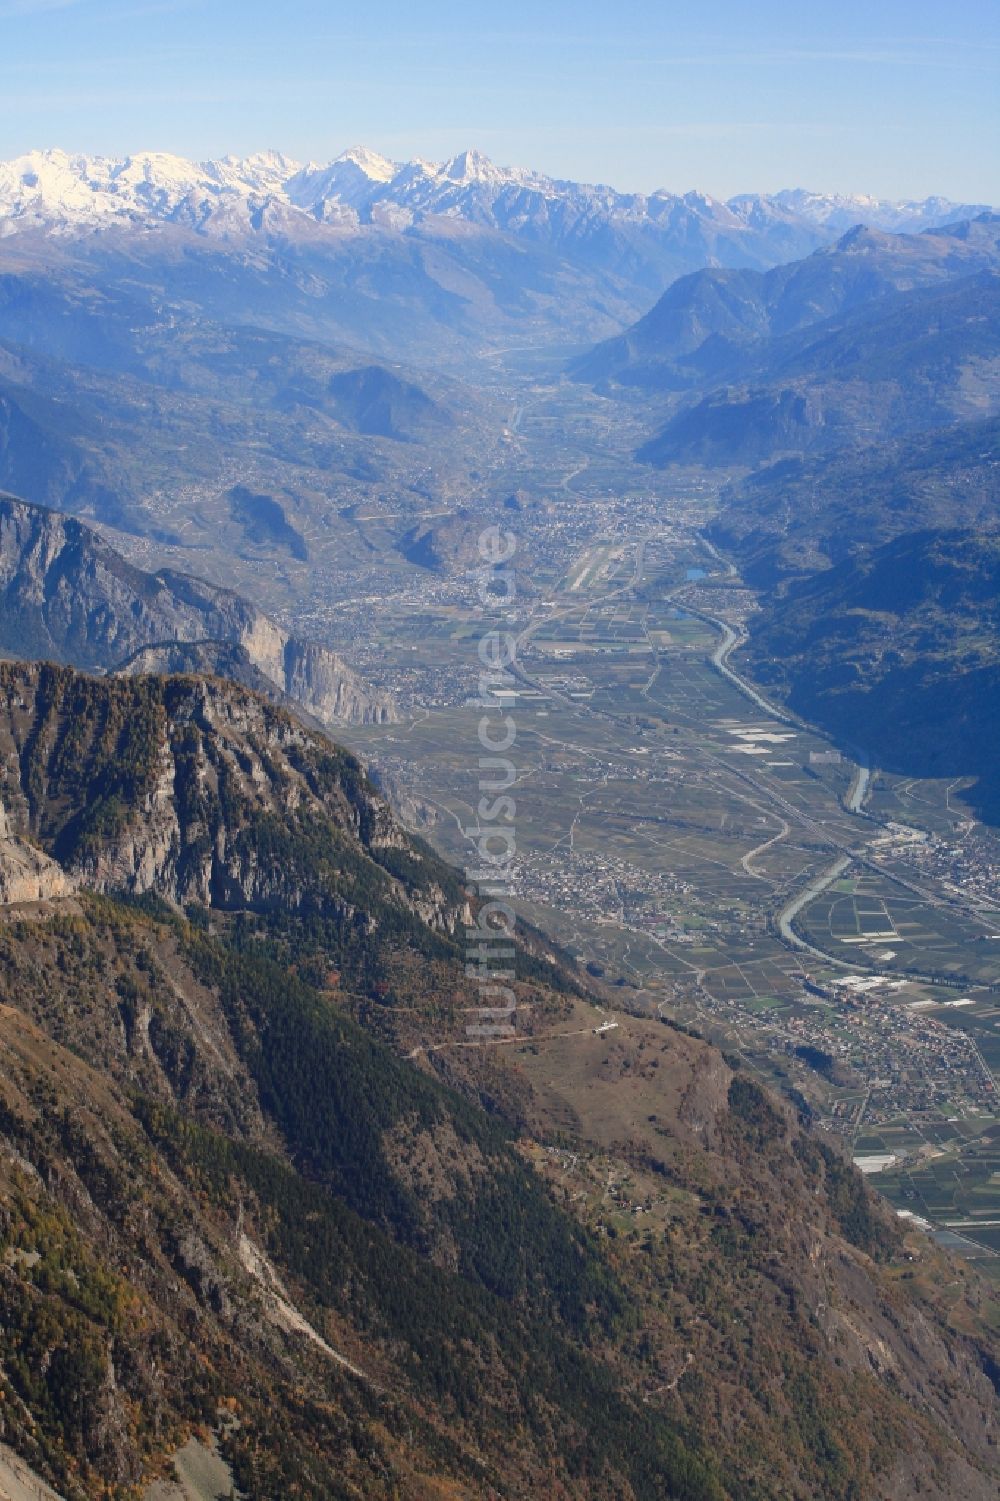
899, 99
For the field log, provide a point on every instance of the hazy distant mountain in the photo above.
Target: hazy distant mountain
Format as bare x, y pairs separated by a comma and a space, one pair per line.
840, 211
168, 424
376, 402
718, 324
908, 362
868, 340
67, 596
43, 455
399, 257
77, 315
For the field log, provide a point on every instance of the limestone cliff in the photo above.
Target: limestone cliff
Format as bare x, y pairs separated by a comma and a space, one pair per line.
198, 791
27, 874
68, 596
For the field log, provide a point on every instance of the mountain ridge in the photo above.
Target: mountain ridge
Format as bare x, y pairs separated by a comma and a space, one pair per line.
68, 595
47, 186
642, 241
913, 361
236, 1201
402, 260
711, 324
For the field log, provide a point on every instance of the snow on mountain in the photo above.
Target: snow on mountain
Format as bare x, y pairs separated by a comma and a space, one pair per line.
839, 212
265, 172
376, 168
63, 194
349, 182
51, 187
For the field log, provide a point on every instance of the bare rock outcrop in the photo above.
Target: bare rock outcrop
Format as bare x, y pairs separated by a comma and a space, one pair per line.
198, 791
68, 596
27, 874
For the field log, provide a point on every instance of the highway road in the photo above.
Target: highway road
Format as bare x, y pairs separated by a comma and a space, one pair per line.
848, 851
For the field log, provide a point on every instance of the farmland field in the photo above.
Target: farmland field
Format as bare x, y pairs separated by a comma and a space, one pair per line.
665, 817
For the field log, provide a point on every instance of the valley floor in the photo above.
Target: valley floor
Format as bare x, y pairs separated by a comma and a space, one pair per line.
712, 858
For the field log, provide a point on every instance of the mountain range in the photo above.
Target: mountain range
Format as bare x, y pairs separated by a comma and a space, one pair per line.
159, 317
914, 361
63, 193
719, 324
400, 258
866, 341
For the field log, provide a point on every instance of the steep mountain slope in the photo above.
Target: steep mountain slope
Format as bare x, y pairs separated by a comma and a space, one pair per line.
222, 659
893, 644
908, 362
69, 596
227, 1208
43, 455
111, 774
799, 515
721, 324
866, 342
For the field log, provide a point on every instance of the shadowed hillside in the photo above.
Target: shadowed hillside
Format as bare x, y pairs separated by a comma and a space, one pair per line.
256, 1187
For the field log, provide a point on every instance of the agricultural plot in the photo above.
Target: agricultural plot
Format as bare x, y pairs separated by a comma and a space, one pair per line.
979, 1021
889, 927
958, 1193
663, 818
933, 805
633, 832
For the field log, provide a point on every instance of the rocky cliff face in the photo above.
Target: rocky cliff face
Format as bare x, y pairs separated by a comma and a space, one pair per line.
69, 596
27, 874
198, 791
217, 659
235, 1197
323, 684
319, 690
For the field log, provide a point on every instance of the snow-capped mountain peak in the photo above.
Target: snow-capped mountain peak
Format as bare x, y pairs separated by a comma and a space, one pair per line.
375, 167
472, 166
57, 193
264, 171
840, 211
154, 180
